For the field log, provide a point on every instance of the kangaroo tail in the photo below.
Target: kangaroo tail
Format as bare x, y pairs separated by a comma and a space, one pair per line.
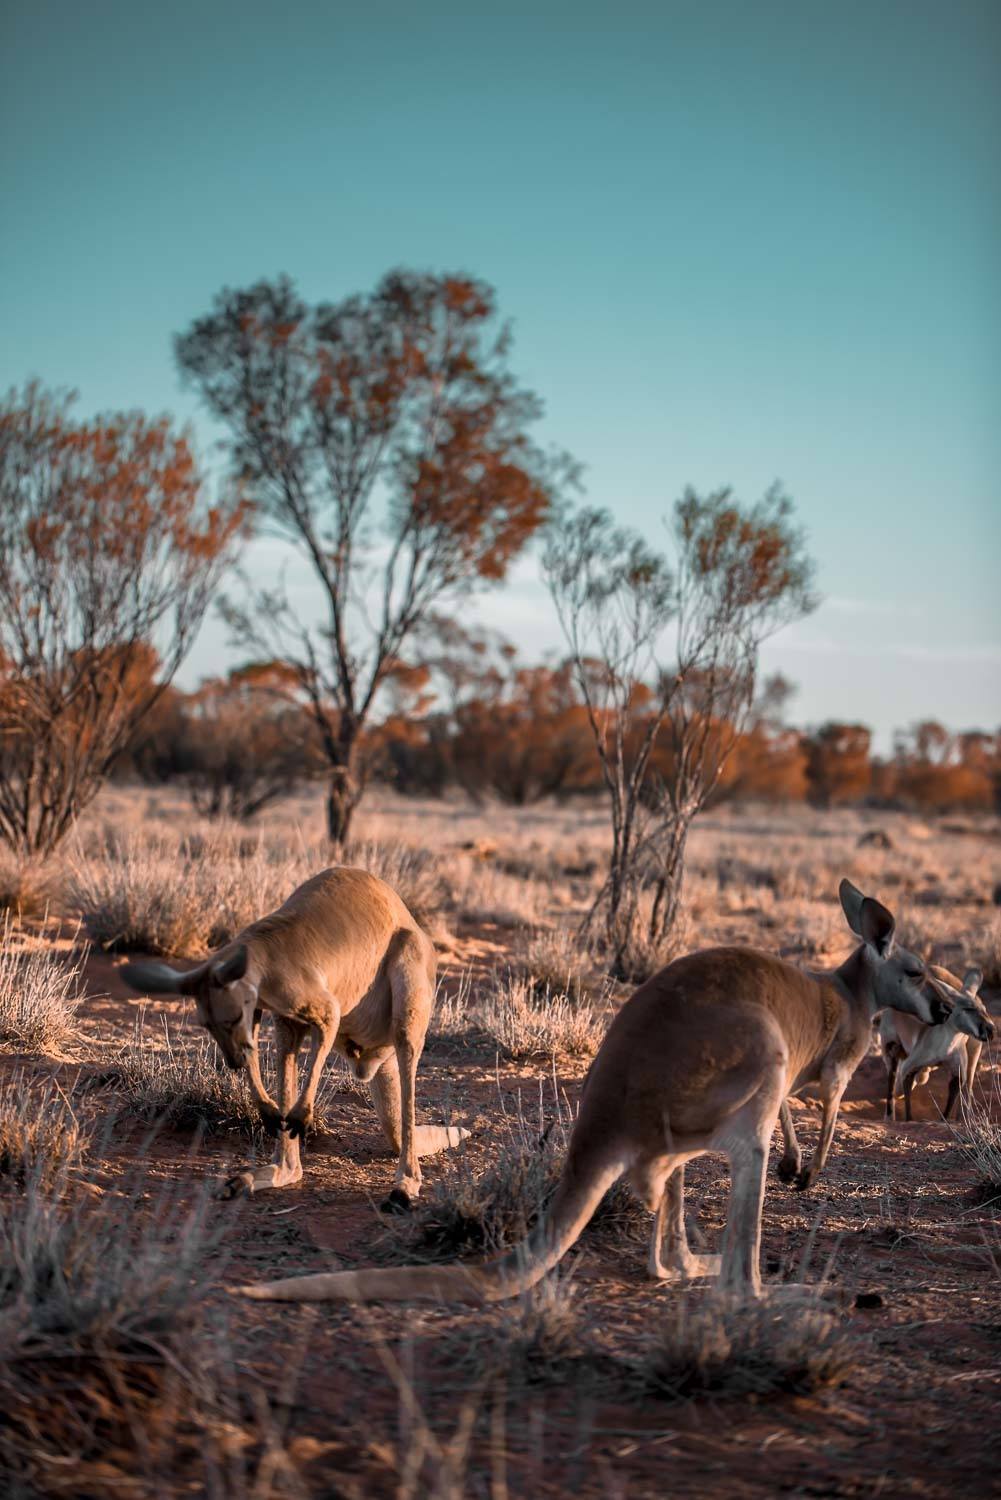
578, 1194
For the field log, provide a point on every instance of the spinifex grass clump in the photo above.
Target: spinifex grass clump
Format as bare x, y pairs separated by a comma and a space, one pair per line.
40, 1137
39, 994
153, 893
720, 1346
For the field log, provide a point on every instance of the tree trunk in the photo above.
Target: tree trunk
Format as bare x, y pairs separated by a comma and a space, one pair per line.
670, 882
343, 796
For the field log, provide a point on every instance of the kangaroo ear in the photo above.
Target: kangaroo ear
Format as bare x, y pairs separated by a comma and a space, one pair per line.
876, 926
972, 980
231, 968
851, 905
161, 979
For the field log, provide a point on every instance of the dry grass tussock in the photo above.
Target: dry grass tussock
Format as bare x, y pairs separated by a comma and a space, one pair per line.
114, 1379
538, 1338
26, 885
481, 893
465, 1215
181, 1087
40, 993
188, 1086
979, 1134
713, 1345
557, 960
152, 892
41, 1140
515, 1016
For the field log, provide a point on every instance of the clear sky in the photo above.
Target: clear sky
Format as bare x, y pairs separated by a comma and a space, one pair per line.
737, 240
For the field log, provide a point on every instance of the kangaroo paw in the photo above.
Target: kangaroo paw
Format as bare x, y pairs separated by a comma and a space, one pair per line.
398, 1202
240, 1185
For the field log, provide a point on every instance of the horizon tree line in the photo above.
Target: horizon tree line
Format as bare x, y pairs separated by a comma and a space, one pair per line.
388, 440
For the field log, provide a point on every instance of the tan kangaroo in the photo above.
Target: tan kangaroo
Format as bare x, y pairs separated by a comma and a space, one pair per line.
344, 963
911, 1050
699, 1059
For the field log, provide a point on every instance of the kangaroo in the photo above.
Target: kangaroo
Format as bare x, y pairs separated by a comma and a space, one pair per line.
343, 962
699, 1059
911, 1050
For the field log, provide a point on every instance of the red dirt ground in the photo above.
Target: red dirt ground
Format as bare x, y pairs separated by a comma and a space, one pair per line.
917, 1416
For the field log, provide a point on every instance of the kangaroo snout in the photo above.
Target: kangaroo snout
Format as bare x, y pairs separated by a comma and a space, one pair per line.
988, 1031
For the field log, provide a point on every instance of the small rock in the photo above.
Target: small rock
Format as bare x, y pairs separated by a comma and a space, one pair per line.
875, 838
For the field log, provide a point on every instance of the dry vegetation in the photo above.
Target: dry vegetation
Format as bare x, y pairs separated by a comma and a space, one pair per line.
125, 1369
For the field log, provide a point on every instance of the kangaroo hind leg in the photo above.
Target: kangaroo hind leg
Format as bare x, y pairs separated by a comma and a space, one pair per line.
670, 1258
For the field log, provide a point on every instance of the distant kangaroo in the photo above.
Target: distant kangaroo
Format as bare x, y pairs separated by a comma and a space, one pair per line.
699, 1059
344, 962
911, 1050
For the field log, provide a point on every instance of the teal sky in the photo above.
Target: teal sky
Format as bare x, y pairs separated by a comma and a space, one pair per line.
737, 241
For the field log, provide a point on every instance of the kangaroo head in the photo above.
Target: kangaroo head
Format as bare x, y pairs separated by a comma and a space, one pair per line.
225, 999
969, 1014
900, 979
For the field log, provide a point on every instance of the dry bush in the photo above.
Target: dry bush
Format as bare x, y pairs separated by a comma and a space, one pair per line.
538, 1338
39, 994
718, 1346
640, 955
150, 893
112, 1381
462, 1214
40, 1137
988, 952
515, 1017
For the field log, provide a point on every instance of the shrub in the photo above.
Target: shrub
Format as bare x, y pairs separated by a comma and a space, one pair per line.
462, 1214
538, 1338
25, 884
980, 1137
39, 994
